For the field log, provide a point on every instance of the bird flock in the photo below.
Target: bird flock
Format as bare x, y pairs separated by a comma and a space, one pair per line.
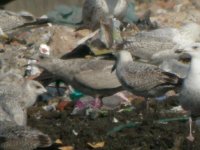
146, 64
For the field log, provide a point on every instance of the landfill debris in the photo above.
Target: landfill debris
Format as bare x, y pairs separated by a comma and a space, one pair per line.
129, 109
70, 15
74, 132
66, 148
62, 105
115, 120
82, 104
96, 145
136, 124
75, 95
51, 107
58, 141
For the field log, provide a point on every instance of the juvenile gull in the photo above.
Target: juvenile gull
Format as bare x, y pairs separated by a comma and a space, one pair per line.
16, 97
95, 10
190, 95
143, 79
10, 20
90, 76
160, 42
17, 137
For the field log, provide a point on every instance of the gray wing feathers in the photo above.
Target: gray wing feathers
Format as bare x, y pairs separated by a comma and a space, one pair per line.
93, 79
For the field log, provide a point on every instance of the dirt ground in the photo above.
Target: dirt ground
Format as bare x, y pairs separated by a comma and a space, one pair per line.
148, 134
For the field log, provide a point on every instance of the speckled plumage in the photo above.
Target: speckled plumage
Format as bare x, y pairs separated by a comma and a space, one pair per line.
146, 44
17, 137
10, 20
16, 97
95, 10
143, 79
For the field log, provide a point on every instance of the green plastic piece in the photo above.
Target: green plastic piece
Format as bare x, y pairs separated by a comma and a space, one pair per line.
173, 119
76, 95
136, 124
123, 126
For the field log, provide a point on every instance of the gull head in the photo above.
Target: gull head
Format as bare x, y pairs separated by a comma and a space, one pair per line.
122, 57
40, 60
36, 87
193, 50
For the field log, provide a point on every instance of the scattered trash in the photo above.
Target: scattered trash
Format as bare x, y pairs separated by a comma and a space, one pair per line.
82, 104
182, 119
74, 132
66, 148
123, 126
96, 145
129, 109
70, 15
58, 141
61, 105
136, 124
115, 120
51, 107
75, 95
44, 49
52, 92
176, 109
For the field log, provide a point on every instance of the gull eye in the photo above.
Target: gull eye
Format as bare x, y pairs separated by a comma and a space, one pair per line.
38, 87
194, 47
41, 57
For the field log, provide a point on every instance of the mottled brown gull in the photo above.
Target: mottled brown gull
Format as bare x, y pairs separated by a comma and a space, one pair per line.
143, 79
90, 76
95, 10
17, 137
190, 95
10, 20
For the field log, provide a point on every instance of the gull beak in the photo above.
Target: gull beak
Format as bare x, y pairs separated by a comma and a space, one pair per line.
4, 36
114, 67
115, 64
178, 51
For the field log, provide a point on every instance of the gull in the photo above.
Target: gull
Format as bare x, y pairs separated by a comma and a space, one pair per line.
16, 96
143, 79
96, 10
189, 96
89, 76
10, 20
159, 44
13, 136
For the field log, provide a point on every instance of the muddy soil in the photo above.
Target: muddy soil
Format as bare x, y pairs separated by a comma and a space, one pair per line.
148, 134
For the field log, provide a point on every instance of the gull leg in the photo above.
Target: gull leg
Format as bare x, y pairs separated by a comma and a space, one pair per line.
120, 94
147, 104
58, 88
190, 137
